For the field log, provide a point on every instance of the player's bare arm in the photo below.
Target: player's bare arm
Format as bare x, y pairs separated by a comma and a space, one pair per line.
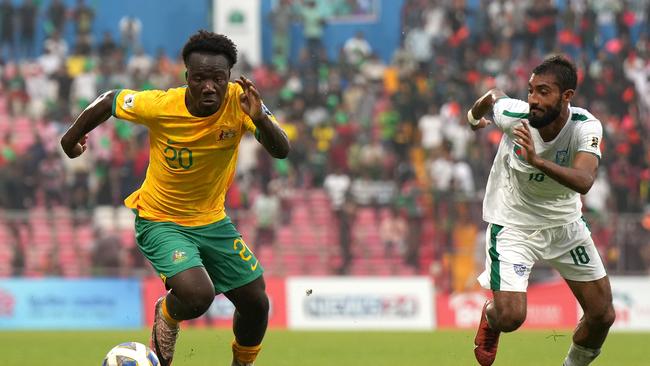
483, 106
272, 137
579, 177
73, 141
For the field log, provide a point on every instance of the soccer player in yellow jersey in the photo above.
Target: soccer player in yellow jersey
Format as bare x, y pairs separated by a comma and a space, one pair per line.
181, 225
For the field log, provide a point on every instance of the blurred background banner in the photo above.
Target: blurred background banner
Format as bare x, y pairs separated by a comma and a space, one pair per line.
70, 304
360, 303
550, 305
240, 20
632, 303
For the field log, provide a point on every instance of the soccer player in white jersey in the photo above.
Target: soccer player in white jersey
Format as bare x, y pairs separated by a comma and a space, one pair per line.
548, 156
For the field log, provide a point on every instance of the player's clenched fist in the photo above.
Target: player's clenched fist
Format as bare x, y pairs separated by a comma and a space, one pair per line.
74, 149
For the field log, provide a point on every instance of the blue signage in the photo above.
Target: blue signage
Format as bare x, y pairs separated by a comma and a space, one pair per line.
70, 304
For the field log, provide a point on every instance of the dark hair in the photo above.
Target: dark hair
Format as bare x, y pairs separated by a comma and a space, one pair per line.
564, 71
209, 42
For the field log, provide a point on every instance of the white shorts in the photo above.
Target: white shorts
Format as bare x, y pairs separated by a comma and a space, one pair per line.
511, 254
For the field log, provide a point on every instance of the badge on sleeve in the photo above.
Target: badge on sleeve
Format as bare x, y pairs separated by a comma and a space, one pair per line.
594, 142
129, 101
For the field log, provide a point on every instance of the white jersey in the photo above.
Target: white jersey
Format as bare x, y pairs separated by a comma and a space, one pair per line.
519, 195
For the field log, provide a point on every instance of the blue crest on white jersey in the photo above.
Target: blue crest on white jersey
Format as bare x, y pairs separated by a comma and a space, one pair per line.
562, 157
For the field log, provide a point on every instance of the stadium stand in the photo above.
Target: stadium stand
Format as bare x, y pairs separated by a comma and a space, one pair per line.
394, 128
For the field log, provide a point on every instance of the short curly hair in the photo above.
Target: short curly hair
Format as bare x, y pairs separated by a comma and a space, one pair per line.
209, 42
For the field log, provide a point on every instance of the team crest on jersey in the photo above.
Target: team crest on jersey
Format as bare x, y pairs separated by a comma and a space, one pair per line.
562, 157
519, 152
226, 134
129, 101
520, 269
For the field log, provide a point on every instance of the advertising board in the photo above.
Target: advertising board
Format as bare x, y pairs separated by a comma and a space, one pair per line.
360, 303
70, 304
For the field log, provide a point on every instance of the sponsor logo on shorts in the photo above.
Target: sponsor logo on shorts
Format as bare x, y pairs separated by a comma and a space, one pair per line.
179, 256
520, 269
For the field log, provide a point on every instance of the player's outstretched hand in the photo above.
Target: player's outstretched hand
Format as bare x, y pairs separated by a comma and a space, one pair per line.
525, 140
77, 149
250, 100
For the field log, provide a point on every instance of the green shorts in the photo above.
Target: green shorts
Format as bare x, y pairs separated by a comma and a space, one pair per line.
172, 248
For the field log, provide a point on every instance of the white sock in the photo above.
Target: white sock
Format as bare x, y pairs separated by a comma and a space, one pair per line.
580, 356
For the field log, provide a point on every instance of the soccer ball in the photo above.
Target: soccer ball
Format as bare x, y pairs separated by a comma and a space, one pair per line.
131, 354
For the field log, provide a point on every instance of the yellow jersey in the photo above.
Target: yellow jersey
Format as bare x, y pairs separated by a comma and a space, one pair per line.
192, 159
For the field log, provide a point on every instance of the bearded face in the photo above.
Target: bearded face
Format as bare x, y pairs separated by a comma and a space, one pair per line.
540, 116
544, 100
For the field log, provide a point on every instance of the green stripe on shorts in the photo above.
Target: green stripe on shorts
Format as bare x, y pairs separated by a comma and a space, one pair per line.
495, 272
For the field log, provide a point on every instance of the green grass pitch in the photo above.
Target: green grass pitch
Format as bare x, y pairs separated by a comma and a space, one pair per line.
211, 347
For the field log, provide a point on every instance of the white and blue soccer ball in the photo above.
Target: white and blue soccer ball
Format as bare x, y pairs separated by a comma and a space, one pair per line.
131, 354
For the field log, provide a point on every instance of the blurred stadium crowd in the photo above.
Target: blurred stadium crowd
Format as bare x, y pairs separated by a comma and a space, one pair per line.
384, 176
